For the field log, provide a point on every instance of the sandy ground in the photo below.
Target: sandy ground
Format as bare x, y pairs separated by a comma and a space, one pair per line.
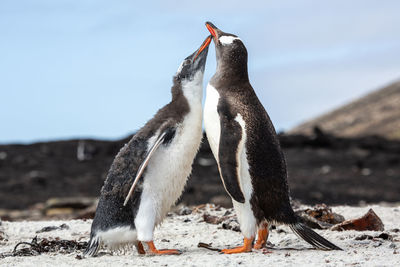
180, 233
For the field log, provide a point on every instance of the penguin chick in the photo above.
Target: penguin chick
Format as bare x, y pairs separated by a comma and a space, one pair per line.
149, 173
244, 142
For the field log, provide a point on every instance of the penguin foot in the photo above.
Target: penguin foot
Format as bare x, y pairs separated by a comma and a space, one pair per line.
259, 245
248, 243
262, 237
140, 248
154, 251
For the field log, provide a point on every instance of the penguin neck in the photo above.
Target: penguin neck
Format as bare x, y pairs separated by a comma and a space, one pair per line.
191, 90
231, 72
193, 93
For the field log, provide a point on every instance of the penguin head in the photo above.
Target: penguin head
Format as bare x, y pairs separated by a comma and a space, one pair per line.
229, 48
193, 66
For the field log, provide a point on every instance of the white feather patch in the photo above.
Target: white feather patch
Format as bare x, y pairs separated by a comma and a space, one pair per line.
211, 119
245, 215
226, 40
117, 236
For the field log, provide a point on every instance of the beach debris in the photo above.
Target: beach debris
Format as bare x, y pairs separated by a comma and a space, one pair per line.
207, 246
69, 202
364, 237
67, 206
3, 236
319, 217
227, 221
369, 222
36, 247
200, 208
87, 213
184, 211
213, 219
385, 236
231, 224
52, 228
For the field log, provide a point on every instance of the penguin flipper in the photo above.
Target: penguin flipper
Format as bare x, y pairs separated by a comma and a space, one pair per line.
229, 153
164, 137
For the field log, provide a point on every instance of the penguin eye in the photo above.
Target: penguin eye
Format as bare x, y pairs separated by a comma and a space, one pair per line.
187, 62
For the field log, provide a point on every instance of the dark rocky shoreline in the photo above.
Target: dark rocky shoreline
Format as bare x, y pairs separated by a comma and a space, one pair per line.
322, 168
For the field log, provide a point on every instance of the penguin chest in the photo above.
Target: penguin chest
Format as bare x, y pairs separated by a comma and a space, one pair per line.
170, 167
212, 122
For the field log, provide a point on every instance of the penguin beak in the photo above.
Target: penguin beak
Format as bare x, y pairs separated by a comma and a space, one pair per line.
206, 43
213, 30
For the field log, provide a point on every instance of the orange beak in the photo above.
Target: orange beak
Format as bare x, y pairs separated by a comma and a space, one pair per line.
212, 29
203, 46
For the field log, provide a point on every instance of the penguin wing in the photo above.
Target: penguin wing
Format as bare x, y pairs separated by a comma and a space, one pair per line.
164, 137
229, 152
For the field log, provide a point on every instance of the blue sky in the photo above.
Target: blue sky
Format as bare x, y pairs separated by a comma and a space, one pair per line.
101, 69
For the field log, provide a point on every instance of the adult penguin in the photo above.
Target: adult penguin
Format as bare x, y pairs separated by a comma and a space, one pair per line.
244, 142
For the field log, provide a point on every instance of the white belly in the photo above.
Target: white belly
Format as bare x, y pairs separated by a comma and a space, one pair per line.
211, 119
167, 173
213, 129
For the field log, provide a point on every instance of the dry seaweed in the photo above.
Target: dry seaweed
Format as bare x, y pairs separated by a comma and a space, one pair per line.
207, 246
45, 245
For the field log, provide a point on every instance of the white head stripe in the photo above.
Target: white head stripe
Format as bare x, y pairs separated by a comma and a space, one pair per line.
180, 67
227, 39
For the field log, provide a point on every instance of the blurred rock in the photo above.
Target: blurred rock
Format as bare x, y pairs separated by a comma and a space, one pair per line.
320, 217
69, 202
85, 151
52, 228
16, 215
212, 219
87, 213
369, 222
384, 236
3, 235
3, 155
184, 211
231, 224
59, 211
364, 237
222, 200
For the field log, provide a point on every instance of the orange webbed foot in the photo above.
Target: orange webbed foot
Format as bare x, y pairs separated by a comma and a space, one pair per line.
248, 243
154, 251
262, 237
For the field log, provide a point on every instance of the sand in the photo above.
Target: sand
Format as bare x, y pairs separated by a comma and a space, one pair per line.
180, 233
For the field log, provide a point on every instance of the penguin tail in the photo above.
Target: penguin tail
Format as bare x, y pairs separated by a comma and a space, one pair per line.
93, 247
312, 237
